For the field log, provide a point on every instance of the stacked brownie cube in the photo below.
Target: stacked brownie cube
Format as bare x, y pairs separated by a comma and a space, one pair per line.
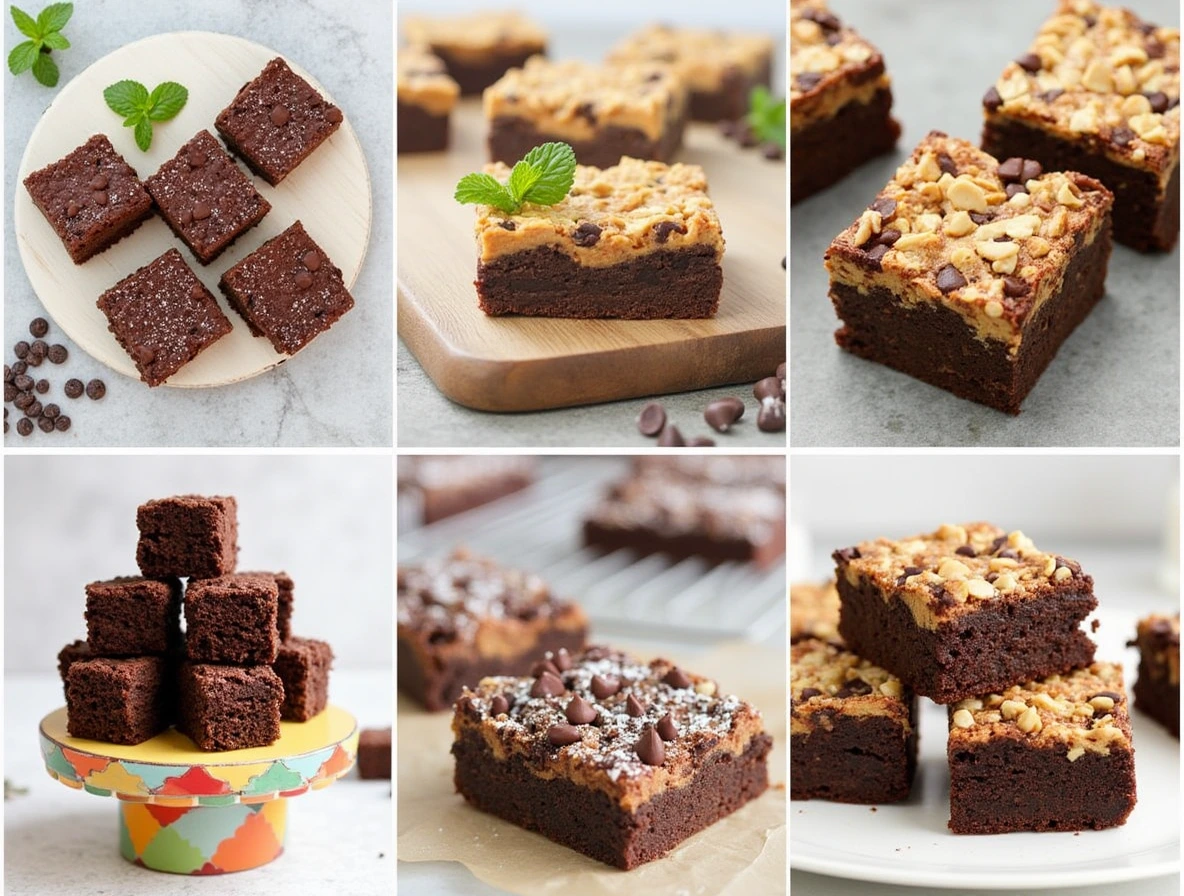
235, 672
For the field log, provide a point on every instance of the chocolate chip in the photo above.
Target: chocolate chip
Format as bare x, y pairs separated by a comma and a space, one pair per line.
100, 197
807, 81
1009, 554
98, 182
1158, 101
34, 409
280, 115
547, 685
965, 550
62, 423
544, 666
1121, 136
562, 659
1011, 190
828, 21
604, 687
1155, 48
23, 400
45, 424
1030, 62
38, 326
197, 158
722, 413
671, 437
700, 442
771, 416
498, 705
885, 206
34, 360
855, 688
23, 383
876, 254
634, 707
1117, 698
666, 728
21, 349
303, 280
312, 258
587, 112
992, 100
676, 678
507, 225
580, 712
807, 693
201, 211
42, 387
8, 374
1011, 169
651, 419
24, 426
333, 115
773, 152
38, 347
143, 355
769, 387
10, 392
663, 229
727, 128
1050, 96
74, 388
563, 735
649, 748
57, 354
72, 210
1032, 170
950, 278
980, 218
848, 554
1014, 287
947, 164
587, 234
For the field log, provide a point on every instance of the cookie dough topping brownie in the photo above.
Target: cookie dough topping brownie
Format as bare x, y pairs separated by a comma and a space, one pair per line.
423, 81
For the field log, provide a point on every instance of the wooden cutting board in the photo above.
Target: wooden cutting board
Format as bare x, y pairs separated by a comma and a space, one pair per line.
526, 364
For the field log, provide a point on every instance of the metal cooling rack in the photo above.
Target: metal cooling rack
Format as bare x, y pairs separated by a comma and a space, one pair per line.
624, 594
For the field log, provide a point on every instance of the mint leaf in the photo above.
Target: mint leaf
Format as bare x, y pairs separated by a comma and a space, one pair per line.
54, 17
25, 24
126, 98
522, 179
56, 41
144, 133
45, 70
484, 189
556, 164
22, 57
766, 116
166, 100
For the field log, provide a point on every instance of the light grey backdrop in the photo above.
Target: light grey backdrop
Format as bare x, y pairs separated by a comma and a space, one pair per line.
338, 391
71, 519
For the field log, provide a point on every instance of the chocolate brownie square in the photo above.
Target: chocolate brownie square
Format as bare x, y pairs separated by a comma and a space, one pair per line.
204, 197
286, 588
434, 487
426, 98
188, 536
374, 754
163, 316
276, 121
232, 619
1157, 689
132, 616
92, 198
477, 47
287, 290
119, 701
303, 666
68, 656
230, 707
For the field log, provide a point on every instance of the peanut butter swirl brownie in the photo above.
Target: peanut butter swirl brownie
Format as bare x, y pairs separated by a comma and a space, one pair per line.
1098, 91
426, 97
1157, 689
615, 758
477, 47
964, 610
813, 612
969, 273
1053, 754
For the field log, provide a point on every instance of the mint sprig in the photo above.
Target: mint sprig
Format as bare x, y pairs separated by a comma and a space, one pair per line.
44, 35
140, 108
543, 177
766, 116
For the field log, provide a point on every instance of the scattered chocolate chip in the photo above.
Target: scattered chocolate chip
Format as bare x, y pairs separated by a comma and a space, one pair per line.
143, 355
21, 349
603, 688
1158, 101
563, 735
634, 707
280, 115
10, 392
201, 211
72, 209
780, 374
498, 705
769, 387
773, 151
947, 164
1014, 287
1030, 62
663, 229
580, 712
34, 409
722, 413
992, 100
333, 115
98, 182
965, 550
587, 112
676, 678
1117, 698
586, 234
562, 659
651, 419
57, 354
885, 205
24, 426
19, 367
671, 437
38, 326
807, 81
666, 728
1010, 169
23, 383
807, 693
303, 280
727, 128
1011, 190
649, 748
1031, 170
855, 688
828, 21
100, 197
544, 666
701, 442
39, 347
507, 225
783, 260
876, 254
62, 423
547, 685
312, 258
1009, 554
23, 400
1051, 96
74, 388
771, 416
197, 158
950, 278
848, 554
42, 386
1121, 136
34, 360
45, 424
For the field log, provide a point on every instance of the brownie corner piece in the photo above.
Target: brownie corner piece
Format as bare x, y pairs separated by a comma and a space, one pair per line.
118, 701
133, 616
1157, 687
187, 536
969, 273
853, 728
232, 619
1048, 755
303, 666
287, 290
91, 197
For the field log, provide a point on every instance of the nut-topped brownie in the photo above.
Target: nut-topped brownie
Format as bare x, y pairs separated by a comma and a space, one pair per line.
204, 197
276, 121
434, 487
639, 241
92, 198
461, 618
840, 100
1047, 755
603, 113
853, 728
426, 97
477, 47
163, 316
1098, 91
287, 290
615, 758
964, 610
814, 612
968, 272
1157, 688
719, 67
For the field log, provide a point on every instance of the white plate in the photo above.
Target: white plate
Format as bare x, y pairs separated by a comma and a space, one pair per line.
329, 192
909, 843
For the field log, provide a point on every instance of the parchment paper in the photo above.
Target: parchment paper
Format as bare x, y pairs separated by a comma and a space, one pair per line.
742, 854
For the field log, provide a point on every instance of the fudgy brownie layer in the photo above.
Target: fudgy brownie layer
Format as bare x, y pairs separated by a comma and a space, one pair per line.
440, 503
511, 138
544, 282
730, 101
438, 685
589, 821
975, 653
859, 760
420, 130
1158, 697
827, 151
475, 77
934, 344
682, 546
1004, 786
1143, 219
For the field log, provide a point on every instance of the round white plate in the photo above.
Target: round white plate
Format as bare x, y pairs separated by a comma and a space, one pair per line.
329, 192
908, 843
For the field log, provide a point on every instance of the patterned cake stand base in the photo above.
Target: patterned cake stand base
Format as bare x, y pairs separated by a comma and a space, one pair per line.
189, 812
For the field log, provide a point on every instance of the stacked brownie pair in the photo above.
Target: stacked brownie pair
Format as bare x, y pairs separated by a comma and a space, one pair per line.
981, 621
229, 678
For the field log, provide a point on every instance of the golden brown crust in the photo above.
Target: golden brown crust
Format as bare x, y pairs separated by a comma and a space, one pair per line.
476, 35
702, 58
423, 81
825, 681
814, 612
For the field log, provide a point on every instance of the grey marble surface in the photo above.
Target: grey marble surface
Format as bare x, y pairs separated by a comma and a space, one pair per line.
1115, 382
338, 391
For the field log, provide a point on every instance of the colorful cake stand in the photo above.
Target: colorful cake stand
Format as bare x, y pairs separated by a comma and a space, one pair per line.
189, 812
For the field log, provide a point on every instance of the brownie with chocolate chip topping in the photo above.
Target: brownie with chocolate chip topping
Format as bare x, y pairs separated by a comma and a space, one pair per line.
852, 727
1052, 754
618, 759
204, 197
276, 121
287, 290
426, 97
163, 316
963, 610
92, 198
1098, 91
477, 47
968, 272
1157, 689
462, 617
640, 240
840, 100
